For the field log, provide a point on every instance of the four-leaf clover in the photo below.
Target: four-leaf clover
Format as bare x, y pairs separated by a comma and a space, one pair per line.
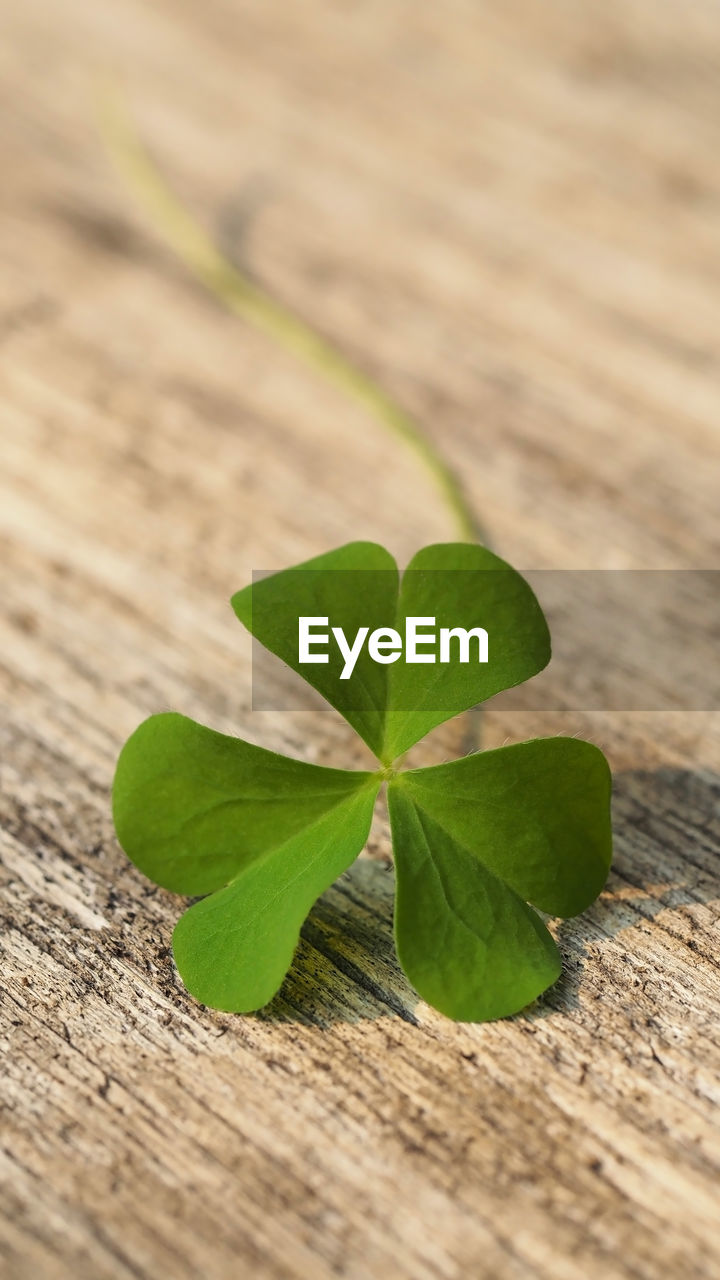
474, 841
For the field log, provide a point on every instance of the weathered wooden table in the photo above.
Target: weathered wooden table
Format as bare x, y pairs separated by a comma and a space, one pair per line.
508, 213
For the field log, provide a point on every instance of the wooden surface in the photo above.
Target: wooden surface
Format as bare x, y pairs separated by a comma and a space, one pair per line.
509, 213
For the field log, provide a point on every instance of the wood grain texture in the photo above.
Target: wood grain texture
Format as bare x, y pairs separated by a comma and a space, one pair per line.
509, 213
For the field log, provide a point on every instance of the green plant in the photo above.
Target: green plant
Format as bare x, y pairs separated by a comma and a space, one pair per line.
475, 840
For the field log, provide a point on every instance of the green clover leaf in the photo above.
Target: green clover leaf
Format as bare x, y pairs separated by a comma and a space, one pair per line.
393, 706
478, 843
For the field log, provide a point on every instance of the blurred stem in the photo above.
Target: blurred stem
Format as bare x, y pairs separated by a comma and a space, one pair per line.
242, 296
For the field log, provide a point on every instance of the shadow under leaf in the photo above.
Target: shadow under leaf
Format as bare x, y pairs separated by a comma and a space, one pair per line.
345, 968
667, 856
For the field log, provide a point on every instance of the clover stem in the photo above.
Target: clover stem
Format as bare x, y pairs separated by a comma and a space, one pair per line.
244, 298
